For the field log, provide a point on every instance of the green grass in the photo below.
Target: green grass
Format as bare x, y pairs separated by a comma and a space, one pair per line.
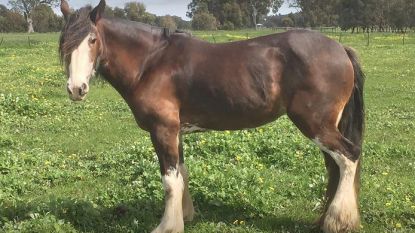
86, 167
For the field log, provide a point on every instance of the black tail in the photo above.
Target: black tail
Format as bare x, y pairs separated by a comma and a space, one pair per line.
353, 118
352, 122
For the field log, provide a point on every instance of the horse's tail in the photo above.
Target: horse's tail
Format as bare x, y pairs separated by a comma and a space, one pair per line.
353, 119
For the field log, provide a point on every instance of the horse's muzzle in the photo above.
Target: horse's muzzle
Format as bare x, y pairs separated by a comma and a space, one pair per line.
78, 93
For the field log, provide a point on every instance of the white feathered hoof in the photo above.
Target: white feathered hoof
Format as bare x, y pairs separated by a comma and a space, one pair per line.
341, 220
170, 226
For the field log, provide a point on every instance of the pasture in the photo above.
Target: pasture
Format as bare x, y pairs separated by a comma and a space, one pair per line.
86, 167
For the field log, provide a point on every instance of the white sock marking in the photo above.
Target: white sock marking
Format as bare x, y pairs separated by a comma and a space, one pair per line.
342, 214
172, 220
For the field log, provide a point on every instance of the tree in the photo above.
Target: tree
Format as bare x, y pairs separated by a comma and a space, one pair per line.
109, 11
182, 24
119, 13
134, 10
232, 15
351, 14
238, 13
204, 21
287, 22
318, 12
149, 18
45, 20
168, 22
11, 21
3, 10
26, 7
263, 7
400, 15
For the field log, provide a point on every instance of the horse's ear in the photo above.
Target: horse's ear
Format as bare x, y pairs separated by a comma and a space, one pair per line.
97, 12
66, 10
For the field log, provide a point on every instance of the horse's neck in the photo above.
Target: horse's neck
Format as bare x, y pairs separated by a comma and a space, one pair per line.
125, 49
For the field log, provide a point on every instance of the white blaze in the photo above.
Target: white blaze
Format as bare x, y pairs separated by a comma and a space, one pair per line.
81, 67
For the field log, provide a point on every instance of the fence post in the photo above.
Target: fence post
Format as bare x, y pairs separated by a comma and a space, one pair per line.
214, 39
403, 39
368, 38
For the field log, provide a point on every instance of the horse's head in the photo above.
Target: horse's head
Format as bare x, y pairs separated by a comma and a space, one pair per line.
80, 47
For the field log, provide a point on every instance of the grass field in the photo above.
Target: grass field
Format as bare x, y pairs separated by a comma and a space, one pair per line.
86, 167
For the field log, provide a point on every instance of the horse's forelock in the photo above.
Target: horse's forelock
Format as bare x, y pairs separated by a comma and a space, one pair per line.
76, 28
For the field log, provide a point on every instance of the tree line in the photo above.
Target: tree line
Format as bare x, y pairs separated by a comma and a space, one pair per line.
354, 15
367, 15
38, 16
230, 14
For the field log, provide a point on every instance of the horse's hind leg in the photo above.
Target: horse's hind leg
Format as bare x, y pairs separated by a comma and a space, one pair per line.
320, 125
188, 209
342, 213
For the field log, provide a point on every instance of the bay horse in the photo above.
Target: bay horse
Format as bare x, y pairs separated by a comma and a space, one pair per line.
176, 84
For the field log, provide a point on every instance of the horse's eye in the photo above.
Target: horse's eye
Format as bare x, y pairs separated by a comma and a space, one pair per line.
92, 40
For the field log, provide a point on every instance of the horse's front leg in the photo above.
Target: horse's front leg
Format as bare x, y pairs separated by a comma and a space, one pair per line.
165, 139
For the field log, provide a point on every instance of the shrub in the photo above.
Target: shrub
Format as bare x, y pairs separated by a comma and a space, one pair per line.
228, 26
204, 21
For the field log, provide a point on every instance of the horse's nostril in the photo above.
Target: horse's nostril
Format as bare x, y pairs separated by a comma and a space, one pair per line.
84, 86
83, 90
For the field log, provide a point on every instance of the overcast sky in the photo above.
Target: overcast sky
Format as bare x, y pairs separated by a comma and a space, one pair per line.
158, 7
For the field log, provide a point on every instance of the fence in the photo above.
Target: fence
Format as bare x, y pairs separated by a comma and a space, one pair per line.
23, 40
366, 39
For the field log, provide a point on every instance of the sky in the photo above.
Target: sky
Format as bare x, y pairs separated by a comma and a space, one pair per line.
158, 7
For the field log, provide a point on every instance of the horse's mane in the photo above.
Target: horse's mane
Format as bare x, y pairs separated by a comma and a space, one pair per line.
78, 25
166, 32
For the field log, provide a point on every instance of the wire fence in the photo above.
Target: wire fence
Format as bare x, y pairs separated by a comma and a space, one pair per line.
345, 37
22, 40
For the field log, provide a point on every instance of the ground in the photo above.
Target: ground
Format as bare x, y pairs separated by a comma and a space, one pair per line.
86, 167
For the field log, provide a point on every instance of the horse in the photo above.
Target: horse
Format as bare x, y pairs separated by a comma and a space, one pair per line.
176, 84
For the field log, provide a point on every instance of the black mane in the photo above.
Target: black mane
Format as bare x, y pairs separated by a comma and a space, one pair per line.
78, 26
127, 25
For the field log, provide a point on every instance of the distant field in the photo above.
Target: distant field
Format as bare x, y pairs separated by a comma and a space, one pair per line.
86, 167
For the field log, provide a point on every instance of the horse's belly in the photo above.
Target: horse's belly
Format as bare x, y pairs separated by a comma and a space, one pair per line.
230, 118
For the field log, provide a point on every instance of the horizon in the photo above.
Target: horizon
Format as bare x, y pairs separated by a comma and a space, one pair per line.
157, 7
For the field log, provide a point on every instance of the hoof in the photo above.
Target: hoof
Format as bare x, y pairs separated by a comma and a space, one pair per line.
188, 214
188, 208
166, 227
341, 221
